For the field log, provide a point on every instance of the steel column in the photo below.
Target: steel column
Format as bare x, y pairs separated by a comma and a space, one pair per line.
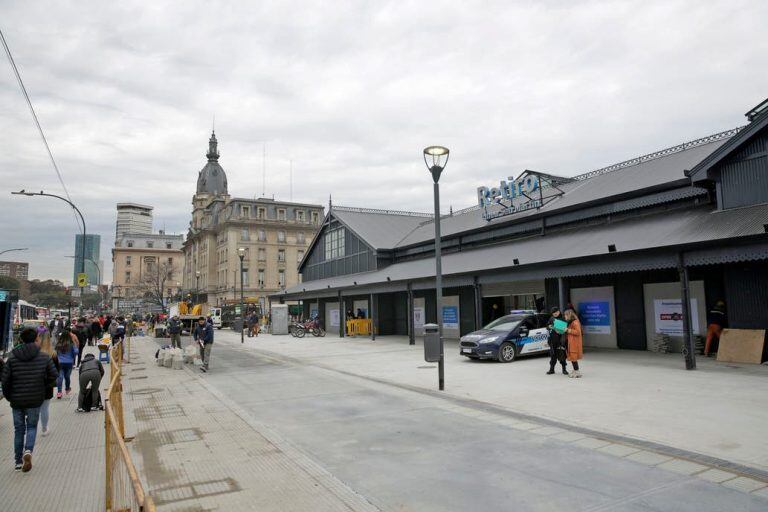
411, 330
688, 344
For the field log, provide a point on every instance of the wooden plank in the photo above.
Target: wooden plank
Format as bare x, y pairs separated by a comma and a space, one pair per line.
741, 346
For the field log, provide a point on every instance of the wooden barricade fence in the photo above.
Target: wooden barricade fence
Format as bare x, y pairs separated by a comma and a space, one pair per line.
359, 327
124, 491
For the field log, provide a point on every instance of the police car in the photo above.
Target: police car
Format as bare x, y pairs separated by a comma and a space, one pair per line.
521, 332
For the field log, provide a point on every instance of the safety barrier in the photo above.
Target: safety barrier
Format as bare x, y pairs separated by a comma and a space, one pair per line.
124, 491
361, 327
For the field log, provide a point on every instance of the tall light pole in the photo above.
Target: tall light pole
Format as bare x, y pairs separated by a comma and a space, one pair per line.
19, 249
197, 287
436, 158
98, 269
241, 255
70, 203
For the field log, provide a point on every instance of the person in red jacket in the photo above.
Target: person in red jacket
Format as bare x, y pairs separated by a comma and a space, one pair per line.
575, 336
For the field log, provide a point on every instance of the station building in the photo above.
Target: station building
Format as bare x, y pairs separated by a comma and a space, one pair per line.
623, 244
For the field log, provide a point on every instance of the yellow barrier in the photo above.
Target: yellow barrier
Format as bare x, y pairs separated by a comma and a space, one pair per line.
359, 327
123, 486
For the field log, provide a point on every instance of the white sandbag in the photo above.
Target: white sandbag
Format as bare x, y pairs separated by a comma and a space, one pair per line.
168, 359
178, 361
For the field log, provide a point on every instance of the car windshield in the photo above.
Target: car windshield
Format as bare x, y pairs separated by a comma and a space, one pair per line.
505, 323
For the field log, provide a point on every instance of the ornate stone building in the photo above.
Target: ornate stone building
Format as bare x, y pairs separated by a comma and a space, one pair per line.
274, 234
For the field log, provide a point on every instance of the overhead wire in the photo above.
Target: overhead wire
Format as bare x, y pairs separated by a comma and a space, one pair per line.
37, 122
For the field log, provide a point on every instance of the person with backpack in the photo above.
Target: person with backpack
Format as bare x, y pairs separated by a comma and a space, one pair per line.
95, 334
25, 377
66, 350
81, 331
91, 372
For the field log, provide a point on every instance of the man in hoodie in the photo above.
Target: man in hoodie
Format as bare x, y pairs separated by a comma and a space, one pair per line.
91, 372
27, 374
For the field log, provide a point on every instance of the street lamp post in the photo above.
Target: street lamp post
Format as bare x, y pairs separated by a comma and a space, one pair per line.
241, 255
70, 203
436, 158
197, 287
18, 249
98, 285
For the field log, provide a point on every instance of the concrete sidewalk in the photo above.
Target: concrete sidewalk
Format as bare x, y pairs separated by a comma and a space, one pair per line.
197, 450
67, 465
718, 410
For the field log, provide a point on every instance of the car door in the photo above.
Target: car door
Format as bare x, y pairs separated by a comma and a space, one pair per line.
538, 336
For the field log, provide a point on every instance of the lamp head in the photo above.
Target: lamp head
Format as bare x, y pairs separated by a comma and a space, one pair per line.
197, 273
436, 158
241, 252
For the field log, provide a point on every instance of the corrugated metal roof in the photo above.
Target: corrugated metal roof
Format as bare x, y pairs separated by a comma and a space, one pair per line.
667, 169
655, 231
380, 230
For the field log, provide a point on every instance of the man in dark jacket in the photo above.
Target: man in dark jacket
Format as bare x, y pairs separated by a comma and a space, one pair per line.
174, 329
91, 372
204, 336
556, 344
27, 375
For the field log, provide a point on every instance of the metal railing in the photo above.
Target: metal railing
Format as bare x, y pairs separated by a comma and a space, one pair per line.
124, 490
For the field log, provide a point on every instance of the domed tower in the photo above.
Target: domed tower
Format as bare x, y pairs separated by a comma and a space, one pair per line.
211, 183
212, 180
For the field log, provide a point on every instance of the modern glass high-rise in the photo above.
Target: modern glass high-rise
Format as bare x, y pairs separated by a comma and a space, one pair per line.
92, 258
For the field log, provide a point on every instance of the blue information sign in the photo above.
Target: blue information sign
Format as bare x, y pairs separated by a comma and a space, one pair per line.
595, 317
450, 317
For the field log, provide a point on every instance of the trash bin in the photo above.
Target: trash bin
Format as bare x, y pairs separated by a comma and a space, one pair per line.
237, 325
432, 347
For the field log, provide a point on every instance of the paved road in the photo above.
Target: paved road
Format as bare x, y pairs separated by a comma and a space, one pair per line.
405, 450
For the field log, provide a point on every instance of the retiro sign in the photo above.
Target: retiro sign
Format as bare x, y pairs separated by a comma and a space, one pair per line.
525, 192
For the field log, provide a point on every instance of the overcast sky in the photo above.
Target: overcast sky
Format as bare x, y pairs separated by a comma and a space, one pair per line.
351, 92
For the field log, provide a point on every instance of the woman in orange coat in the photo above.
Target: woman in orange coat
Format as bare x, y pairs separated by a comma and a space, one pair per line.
575, 350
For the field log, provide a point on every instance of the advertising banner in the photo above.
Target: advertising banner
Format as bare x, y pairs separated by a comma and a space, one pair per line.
450, 317
335, 318
668, 316
418, 317
595, 317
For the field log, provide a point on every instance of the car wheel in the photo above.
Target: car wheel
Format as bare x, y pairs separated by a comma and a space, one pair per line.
507, 352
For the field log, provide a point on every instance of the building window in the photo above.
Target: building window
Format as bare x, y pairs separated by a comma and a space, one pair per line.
261, 213
262, 235
150, 244
261, 277
168, 245
300, 238
300, 216
5, 270
280, 214
281, 278
127, 276
334, 244
245, 211
170, 261
281, 256
299, 255
130, 243
281, 236
127, 261
245, 236
245, 277
315, 218
262, 254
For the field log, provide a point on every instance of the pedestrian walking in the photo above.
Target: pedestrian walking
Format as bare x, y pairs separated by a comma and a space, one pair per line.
95, 331
717, 320
203, 334
46, 346
556, 346
575, 342
91, 372
26, 376
253, 324
81, 331
66, 350
174, 329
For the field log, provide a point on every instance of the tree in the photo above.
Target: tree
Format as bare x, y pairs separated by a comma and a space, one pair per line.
9, 283
154, 282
